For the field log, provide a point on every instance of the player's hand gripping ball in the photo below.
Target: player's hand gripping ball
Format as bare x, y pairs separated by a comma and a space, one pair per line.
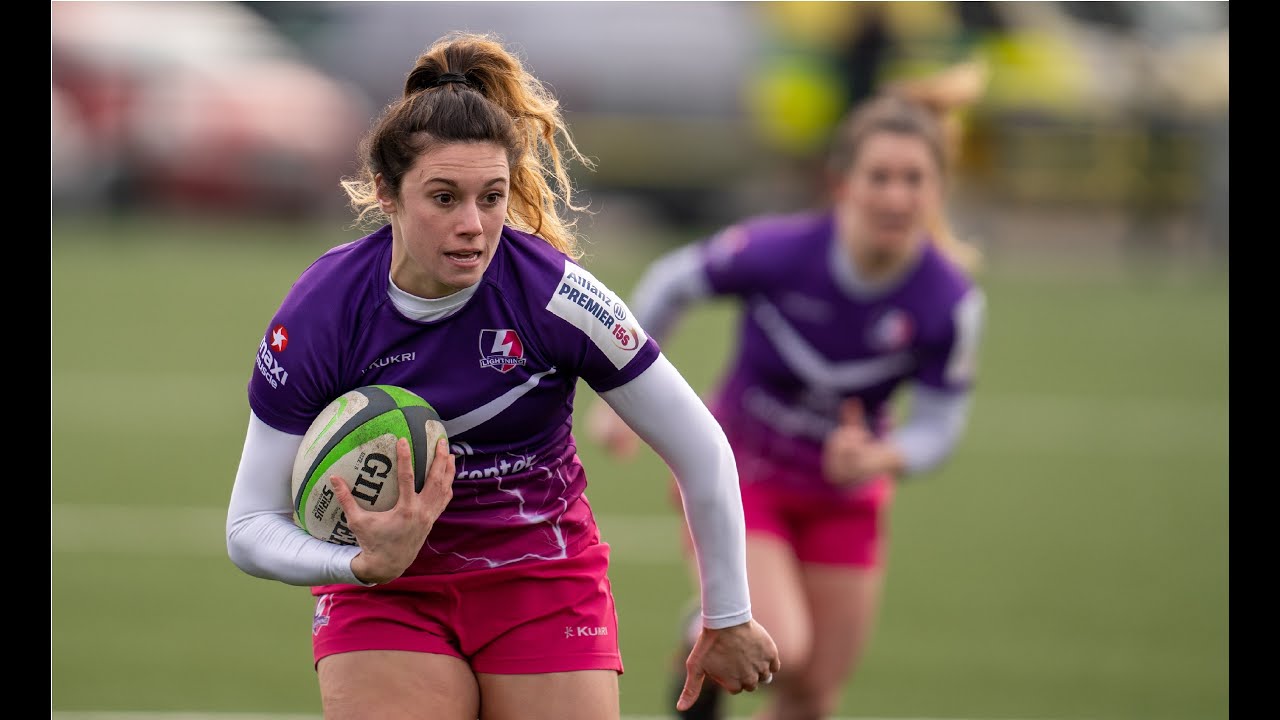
354, 437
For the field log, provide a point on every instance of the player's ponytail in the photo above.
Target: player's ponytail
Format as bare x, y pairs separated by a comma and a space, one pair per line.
468, 88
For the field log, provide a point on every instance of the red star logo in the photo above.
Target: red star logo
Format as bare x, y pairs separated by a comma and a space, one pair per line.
279, 338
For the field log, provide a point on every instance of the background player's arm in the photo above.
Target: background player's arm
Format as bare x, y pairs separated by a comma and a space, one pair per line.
933, 427
941, 396
667, 288
939, 413
665, 291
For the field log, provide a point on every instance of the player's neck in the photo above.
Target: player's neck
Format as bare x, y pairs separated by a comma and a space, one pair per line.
878, 267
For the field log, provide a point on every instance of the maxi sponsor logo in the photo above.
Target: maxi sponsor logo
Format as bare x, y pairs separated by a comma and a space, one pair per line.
270, 367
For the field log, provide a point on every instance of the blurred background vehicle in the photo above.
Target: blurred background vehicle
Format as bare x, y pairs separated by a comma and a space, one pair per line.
695, 111
195, 105
652, 91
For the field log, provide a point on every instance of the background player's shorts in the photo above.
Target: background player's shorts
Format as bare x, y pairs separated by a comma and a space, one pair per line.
830, 529
532, 617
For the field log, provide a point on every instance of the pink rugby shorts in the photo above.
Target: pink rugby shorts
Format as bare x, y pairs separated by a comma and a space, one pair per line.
826, 528
533, 617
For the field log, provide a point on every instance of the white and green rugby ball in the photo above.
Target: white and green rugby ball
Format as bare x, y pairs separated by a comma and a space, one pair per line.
354, 437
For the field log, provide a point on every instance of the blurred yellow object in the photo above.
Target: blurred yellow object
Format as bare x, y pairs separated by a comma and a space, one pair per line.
829, 25
795, 101
1037, 70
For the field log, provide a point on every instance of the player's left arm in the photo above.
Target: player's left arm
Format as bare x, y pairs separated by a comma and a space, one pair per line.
617, 358
941, 395
931, 431
694, 447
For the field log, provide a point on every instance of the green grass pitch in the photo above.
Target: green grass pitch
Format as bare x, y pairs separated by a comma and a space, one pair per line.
1071, 561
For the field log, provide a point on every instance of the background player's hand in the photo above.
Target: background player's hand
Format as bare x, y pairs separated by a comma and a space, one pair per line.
390, 540
742, 657
605, 427
851, 454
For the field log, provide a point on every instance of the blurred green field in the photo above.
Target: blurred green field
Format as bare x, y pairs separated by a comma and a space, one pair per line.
1072, 561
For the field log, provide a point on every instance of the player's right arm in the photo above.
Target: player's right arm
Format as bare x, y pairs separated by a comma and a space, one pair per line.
264, 541
262, 538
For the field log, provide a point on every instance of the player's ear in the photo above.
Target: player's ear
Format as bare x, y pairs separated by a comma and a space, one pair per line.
386, 200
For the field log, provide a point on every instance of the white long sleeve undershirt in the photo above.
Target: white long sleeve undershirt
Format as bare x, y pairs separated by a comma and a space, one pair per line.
696, 450
264, 541
262, 538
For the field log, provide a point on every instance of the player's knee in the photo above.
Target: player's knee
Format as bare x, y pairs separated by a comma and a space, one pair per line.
795, 652
802, 701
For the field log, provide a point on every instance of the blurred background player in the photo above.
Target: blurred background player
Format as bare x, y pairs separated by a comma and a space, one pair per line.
487, 593
842, 309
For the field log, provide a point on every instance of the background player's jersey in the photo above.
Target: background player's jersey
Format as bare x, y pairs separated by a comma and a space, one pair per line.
810, 336
501, 371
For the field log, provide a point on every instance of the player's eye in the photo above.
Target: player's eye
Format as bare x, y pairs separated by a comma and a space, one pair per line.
443, 198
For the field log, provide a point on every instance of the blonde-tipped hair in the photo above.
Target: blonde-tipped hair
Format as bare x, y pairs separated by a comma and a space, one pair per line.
468, 87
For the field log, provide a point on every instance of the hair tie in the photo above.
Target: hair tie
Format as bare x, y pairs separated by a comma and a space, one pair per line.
450, 77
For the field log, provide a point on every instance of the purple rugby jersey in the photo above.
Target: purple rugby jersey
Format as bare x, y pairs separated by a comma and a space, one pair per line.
501, 371
809, 337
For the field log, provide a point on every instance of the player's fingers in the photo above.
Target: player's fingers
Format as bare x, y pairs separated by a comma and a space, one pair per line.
344, 497
610, 430
852, 413
692, 689
404, 468
441, 471
624, 443
439, 489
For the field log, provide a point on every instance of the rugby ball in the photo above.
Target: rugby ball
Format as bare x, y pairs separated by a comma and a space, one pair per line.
354, 437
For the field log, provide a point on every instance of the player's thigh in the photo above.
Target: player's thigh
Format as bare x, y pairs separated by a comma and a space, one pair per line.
397, 685
777, 596
577, 695
845, 602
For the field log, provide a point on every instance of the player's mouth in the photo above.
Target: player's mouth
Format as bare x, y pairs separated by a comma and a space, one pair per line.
892, 226
893, 223
469, 257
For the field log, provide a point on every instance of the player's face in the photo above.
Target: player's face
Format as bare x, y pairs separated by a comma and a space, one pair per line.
448, 218
890, 193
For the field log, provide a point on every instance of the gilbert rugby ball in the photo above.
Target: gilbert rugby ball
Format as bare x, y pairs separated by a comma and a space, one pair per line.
354, 437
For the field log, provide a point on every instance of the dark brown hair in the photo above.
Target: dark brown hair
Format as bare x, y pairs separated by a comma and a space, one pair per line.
469, 88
